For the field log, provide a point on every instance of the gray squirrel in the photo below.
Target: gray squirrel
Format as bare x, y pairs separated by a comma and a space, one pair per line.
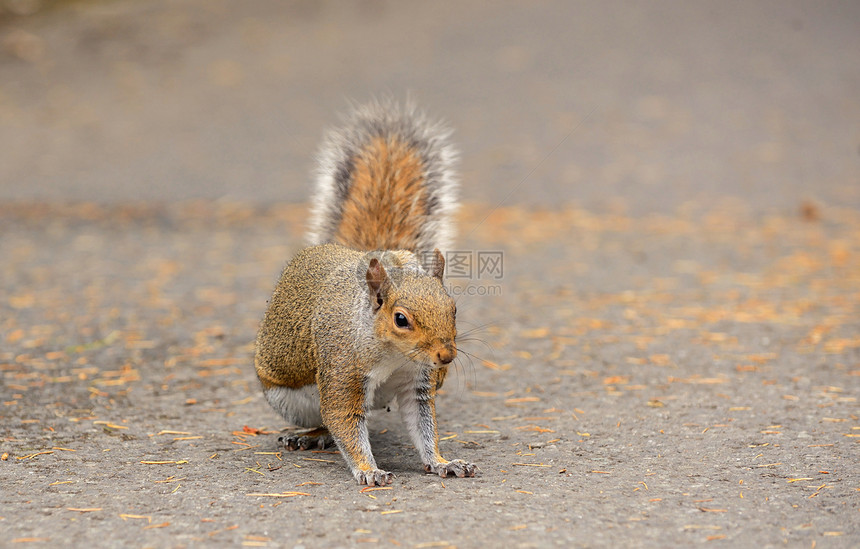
361, 319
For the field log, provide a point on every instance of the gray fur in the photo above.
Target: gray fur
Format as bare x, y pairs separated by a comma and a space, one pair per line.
298, 406
416, 413
429, 138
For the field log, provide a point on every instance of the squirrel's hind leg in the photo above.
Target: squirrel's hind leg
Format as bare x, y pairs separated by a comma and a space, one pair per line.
314, 439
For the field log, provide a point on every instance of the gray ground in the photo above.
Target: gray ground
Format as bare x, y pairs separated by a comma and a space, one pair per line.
671, 357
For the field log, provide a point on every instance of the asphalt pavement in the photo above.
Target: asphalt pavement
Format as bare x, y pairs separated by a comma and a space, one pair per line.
666, 352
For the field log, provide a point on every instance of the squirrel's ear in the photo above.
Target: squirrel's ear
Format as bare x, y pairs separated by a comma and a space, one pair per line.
438, 265
377, 281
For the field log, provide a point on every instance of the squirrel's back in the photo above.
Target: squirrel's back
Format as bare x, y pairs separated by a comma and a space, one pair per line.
385, 182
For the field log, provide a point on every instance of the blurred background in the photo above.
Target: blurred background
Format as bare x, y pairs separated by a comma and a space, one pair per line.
620, 105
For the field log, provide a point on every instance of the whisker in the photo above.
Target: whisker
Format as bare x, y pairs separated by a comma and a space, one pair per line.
471, 369
409, 357
461, 375
475, 327
477, 340
473, 355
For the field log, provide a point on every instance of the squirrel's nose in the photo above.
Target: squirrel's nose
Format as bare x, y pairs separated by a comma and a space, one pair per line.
445, 356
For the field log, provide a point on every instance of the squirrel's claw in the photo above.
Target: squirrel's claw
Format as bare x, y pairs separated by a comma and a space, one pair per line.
456, 467
374, 477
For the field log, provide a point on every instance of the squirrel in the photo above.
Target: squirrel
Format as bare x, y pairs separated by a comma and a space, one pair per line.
361, 319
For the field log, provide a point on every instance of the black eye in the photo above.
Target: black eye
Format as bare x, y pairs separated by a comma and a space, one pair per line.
400, 320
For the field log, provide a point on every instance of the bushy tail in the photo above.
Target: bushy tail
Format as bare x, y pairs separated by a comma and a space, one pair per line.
385, 182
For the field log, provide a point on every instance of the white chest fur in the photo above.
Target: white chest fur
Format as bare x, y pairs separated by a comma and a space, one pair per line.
388, 378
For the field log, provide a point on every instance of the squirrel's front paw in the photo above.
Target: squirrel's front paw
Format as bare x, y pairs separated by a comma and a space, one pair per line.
456, 467
374, 477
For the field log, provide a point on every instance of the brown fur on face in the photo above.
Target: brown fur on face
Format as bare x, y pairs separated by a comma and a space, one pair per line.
431, 314
386, 204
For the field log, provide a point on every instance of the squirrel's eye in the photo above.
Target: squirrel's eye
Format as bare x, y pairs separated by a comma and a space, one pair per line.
400, 320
